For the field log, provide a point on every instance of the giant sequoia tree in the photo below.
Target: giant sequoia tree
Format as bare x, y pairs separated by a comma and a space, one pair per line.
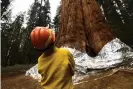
83, 26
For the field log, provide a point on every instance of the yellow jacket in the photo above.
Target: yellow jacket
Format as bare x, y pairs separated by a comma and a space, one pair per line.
57, 69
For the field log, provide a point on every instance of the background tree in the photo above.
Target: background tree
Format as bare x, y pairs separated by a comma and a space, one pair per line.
45, 14
119, 17
56, 20
39, 16
32, 22
4, 7
13, 39
6, 24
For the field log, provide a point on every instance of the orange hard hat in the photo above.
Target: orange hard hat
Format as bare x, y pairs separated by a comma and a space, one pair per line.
42, 37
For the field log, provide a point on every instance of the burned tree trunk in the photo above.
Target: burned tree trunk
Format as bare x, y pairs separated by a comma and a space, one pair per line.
83, 26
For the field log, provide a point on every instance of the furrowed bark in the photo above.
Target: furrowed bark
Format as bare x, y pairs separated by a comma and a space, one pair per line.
83, 26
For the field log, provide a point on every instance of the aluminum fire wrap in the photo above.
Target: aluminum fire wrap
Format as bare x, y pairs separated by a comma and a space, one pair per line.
115, 53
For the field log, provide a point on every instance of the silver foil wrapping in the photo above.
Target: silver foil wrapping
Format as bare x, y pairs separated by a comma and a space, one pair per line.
115, 53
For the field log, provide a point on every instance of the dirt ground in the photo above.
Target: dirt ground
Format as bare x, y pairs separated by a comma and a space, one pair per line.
19, 82
14, 78
111, 79
118, 79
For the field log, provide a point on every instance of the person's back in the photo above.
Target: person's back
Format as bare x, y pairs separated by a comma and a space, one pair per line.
56, 69
56, 65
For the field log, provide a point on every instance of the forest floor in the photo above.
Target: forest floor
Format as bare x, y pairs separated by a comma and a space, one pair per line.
14, 78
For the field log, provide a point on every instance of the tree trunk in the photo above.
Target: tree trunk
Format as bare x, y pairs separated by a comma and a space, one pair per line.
71, 32
98, 30
83, 26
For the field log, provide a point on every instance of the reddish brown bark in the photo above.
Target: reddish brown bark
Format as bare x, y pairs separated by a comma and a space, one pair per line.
98, 30
71, 31
82, 23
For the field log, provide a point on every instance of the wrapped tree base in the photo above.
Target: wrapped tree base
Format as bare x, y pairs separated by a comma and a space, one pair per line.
84, 32
113, 54
84, 27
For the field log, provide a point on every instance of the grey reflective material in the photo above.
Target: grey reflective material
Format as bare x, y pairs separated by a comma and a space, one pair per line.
114, 53
33, 72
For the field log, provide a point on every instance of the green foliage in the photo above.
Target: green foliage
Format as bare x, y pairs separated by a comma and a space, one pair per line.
5, 35
121, 23
33, 15
39, 15
11, 40
5, 10
45, 19
4, 5
16, 43
15, 40
56, 20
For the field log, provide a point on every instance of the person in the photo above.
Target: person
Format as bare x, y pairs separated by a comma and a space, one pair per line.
56, 65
